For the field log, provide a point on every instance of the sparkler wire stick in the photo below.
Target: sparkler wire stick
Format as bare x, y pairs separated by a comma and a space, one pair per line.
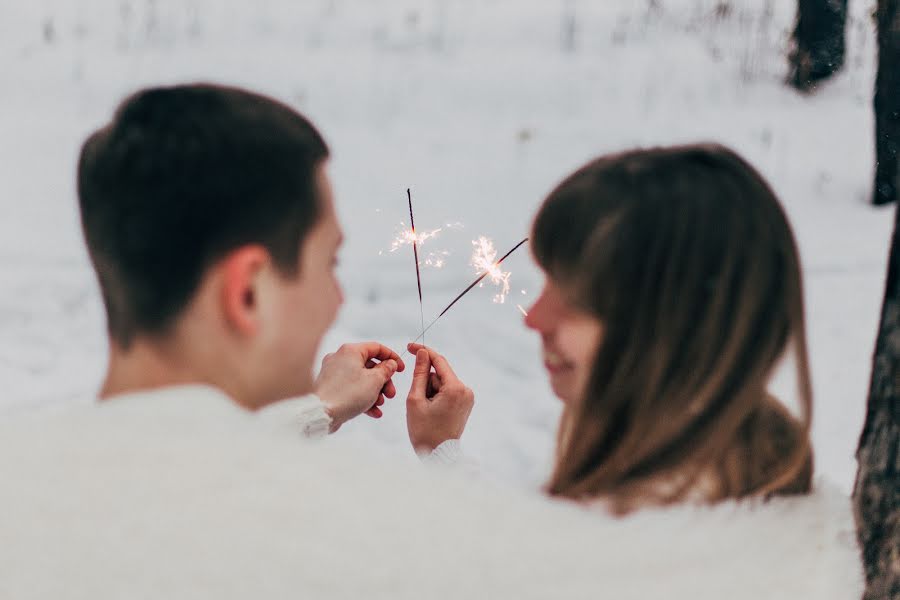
412, 224
467, 290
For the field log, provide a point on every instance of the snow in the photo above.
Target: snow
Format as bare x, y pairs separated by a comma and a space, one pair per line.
479, 107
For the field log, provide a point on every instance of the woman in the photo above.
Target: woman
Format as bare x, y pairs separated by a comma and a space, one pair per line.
673, 290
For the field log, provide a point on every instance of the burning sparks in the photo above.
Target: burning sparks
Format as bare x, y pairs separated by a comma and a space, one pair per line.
484, 259
522, 310
435, 260
407, 236
493, 267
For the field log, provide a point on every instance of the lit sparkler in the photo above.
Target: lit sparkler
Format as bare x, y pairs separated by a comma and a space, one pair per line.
406, 235
435, 260
415, 246
493, 269
484, 260
409, 236
519, 306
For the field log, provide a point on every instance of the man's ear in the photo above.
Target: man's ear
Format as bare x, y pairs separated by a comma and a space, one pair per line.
241, 272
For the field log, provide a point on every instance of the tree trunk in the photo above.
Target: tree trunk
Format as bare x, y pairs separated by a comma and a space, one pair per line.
877, 491
818, 42
887, 103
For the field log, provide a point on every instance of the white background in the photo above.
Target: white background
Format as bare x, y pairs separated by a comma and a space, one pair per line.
480, 107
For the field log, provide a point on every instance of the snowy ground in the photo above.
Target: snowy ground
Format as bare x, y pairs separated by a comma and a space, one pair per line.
479, 107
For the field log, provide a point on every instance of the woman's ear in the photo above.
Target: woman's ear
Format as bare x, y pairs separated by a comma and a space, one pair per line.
241, 272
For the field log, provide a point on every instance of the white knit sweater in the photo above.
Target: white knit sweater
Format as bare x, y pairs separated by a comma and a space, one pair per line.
314, 422
180, 494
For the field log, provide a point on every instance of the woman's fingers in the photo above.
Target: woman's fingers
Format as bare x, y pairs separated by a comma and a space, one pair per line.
441, 365
421, 372
434, 384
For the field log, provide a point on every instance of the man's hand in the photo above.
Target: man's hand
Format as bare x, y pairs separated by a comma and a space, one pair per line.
356, 379
438, 404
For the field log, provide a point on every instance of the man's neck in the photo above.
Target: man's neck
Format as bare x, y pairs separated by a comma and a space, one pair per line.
150, 364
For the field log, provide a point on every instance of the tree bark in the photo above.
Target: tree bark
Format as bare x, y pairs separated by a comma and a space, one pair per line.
818, 42
876, 495
887, 103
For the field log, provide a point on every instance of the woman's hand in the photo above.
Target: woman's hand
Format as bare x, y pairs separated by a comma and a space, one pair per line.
438, 404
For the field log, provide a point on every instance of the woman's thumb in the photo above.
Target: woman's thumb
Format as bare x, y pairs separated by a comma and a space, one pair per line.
420, 374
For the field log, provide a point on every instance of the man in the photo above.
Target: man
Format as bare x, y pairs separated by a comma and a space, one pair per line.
209, 219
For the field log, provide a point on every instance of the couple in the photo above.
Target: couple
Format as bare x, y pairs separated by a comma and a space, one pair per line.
673, 288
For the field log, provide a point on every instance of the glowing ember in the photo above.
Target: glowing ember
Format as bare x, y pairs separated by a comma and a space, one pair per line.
435, 260
407, 236
522, 310
484, 259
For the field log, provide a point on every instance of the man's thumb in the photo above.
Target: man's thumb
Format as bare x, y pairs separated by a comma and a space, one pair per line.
386, 369
420, 374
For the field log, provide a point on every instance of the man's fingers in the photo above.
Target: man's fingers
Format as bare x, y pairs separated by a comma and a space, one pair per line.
388, 390
374, 411
386, 370
370, 350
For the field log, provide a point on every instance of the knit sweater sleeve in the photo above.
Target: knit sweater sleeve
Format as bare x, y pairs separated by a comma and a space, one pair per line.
450, 455
315, 422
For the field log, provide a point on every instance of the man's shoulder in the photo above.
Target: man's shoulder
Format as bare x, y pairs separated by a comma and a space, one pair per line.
102, 494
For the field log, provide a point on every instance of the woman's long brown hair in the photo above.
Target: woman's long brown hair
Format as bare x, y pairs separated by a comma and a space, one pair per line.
687, 258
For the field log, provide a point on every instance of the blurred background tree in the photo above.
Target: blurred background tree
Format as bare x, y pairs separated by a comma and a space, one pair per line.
877, 489
887, 103
819, 42
876, 494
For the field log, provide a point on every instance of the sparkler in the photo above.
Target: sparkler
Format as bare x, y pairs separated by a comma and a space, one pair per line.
406, 235
519, 306
409, 236
492, 268
483, 260
435, 259
415, 245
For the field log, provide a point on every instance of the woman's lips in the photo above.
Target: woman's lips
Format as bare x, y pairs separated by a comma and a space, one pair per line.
554, 363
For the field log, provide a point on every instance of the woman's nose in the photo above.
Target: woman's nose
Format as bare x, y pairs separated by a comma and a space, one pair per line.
535, 318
